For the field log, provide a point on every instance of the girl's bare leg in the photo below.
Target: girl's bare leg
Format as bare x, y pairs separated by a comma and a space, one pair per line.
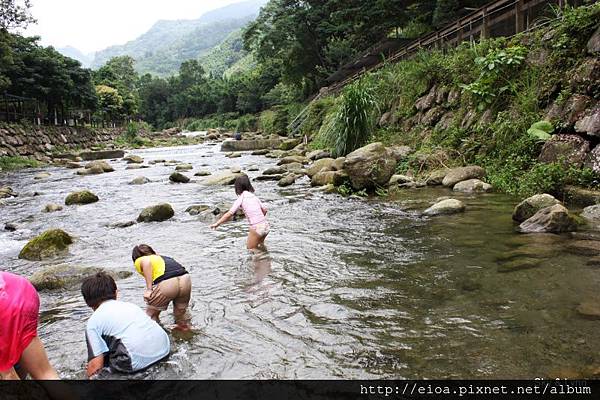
254, 239
153, 313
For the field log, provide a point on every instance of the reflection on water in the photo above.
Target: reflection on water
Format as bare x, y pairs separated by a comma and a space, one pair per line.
349, 288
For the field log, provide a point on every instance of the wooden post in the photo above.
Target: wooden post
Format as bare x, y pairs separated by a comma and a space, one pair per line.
485, 26
519, 17
459, 33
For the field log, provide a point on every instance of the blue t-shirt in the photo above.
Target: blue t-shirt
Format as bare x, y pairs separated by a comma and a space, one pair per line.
129, 339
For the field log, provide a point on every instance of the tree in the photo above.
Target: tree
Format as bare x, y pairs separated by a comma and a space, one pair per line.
110, 101
15, 14
119, 73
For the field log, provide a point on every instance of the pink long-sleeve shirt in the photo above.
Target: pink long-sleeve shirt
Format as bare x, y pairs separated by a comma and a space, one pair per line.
252, 207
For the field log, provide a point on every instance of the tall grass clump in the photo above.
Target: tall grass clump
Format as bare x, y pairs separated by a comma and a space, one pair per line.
350, 123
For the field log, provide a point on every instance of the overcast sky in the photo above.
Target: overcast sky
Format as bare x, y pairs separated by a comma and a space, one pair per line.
92, 25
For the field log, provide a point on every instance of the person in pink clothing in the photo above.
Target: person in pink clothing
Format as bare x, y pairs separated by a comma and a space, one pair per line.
253, 209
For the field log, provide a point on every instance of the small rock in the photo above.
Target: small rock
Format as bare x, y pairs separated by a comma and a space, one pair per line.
178, 177
318, 154
52, 208
293, 159
262, 178
122, 224
519, 265
67, 276
553, 219
436, 177
184, 167
222, 178
589, 309
82, 197
202, 173
335, 178
6, 192
320, 165
90, 171
289, 144
531, 205
445, 207
49, 244
133, 159
588, 248
136, 166
262, 152
338, 164
196, 209
10, 227
287, 180
73, 165
41, 175
100, 164
274, 171
400, 179
252, 168
591, 213
157, 161
233, 155
235, 169
472, 185
140, 180
456, 175
157, 213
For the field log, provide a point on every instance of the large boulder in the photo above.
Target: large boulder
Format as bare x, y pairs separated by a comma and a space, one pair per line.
157, 213
101, 155
322, 164
69, 276
318, 154
293, 159
437, 176
472, 185
275, 171
323, 178
370, 166
445, 207
95, 170
177, 177
82, 197
592, 213
553, 219
590, 122
570, 149
593, 45
49, 244
99, 164
222, 178
133, 159
531, 205
592, 160
460, 174
287, 180
6, 192
289, 144
581, 197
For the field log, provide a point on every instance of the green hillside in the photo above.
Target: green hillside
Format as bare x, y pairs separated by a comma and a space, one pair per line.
226, 55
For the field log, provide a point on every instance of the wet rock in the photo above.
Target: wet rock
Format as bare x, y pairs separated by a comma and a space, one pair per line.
338, 164
321, 165
589, 309
177, 177
318, 154
196, 209
233, 155
580, 196
293, 159
519, 265
156, 213
73, 165
253, 168
588, 248
460, 174
436, 177
136, 166
570, 149
263, 178
274, 171
157, 161
122, 224
289, 144
52, 208
531, 205
553, 219
133, 159
222, 178
295, 168
593, 45
323, 178
592, 213
41, 175
590, 122
203, 173
11, 227
184, 167
287, 180
275, 154
6, 192
140, 180
101, 155
262, 152
370, 166
49, 244
99, 165
400, 179
69, 276
82, 197
593, 261
472, 185
445, 207
236, 169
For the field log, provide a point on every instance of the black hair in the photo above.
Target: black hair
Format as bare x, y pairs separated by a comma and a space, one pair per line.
242, 184
98, 288
141, 250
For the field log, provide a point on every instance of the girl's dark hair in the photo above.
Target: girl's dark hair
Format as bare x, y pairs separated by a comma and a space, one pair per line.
98, 288
141, 250
242, 184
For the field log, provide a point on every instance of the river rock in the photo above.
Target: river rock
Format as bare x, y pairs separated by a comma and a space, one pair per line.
287, 180
519, 264
338, 164
133, 159
262, 152
73, 165
41, 175
293, 159
400, 179
289, 144
591, 213
472, 185
460, 174
436, 177
570, 149
140, 180
222, 178
101, 155
321, 165
445, 207
100, 164
274, 171
82, 197
589, 309
157, 213
236, 169
184, 167
590, 122
262, 178
588, 248
323, 178
531, 205
157, 161
197, 209
52, 208
253, 168
593, 45
137, 166
178, 177
11, 227
202, 173
553, 219
90, 171
68, 276
318, 154
6, 192
122, 224
233, 155
49, 244
370, 166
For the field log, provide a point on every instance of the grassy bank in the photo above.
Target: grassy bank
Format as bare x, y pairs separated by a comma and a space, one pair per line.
13, 163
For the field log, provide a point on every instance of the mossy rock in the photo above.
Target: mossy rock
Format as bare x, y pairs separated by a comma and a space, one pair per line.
68, 276
157, 213
47, 245
83, 197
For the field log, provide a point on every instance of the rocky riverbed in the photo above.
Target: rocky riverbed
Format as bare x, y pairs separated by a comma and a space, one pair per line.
352, 287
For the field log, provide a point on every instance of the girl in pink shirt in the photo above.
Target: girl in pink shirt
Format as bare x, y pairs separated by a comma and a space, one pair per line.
253, 209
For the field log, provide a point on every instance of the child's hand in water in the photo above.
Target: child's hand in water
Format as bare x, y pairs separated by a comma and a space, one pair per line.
147, 295
214, 226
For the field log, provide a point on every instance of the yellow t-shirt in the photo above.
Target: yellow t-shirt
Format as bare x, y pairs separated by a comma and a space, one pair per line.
157, 263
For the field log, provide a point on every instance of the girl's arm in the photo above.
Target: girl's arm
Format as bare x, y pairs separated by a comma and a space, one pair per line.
147, 270
226, 217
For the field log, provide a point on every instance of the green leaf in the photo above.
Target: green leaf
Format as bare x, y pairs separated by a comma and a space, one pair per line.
538, 134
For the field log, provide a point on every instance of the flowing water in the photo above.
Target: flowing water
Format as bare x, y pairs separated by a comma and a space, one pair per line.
351, 288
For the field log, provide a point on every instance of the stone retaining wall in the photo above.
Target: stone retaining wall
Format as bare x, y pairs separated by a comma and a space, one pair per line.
40, 141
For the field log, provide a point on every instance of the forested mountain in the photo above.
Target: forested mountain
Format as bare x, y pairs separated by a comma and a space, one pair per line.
224, 56
76, 54
167, 44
